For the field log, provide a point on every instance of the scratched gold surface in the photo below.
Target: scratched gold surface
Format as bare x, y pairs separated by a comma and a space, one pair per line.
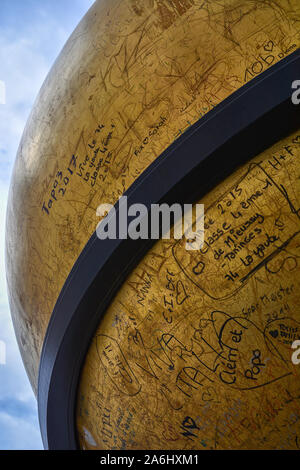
195, 350
131, 78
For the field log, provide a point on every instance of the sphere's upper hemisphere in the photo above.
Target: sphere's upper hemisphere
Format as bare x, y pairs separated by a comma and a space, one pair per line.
132, 77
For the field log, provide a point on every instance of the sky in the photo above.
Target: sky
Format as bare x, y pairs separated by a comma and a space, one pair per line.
32, 33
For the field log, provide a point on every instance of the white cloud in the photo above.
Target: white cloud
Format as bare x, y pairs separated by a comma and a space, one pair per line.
18, 434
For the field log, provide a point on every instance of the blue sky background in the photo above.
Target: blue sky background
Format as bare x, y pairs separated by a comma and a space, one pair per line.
32, 33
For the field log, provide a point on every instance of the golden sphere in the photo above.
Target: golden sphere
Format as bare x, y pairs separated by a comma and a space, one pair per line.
179, 361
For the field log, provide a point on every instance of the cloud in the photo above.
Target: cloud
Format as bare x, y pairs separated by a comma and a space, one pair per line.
32, 33
18, 434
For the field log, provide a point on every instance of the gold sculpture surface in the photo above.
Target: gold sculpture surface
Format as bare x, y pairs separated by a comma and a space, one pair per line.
183, 357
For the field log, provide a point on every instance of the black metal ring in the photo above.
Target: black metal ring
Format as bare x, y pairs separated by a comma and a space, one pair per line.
249, 121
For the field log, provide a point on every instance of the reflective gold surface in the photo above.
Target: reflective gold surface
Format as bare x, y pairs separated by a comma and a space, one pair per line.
195, 350
132, 77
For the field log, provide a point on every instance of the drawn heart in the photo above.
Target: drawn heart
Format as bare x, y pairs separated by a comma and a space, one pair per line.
274, 333
269, 46
181, 294
209, 394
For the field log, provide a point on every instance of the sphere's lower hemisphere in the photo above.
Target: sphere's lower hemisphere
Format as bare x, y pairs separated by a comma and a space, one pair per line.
195, 352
